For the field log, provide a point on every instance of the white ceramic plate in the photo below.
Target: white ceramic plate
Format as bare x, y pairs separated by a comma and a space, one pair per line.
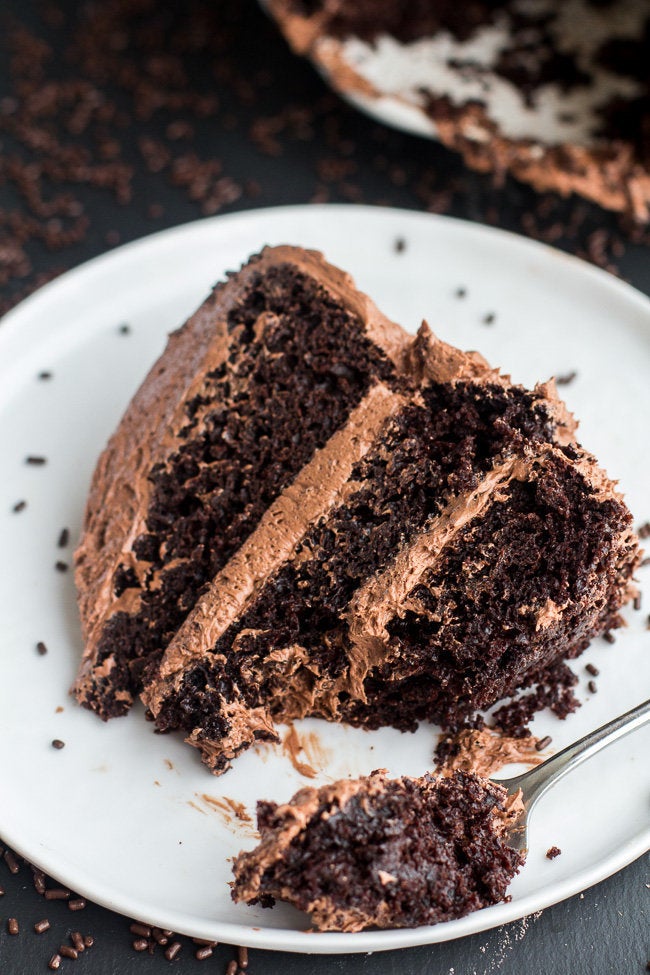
119, 814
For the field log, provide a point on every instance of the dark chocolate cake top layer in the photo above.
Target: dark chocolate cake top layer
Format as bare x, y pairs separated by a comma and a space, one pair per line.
555, 91
381, 852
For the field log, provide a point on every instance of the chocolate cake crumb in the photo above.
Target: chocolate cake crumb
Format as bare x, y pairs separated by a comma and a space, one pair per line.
41, 648
566, 378
644, 530
12, 926
592, 687
19, 506
553, 852
124, 329
592, 669
64, 538
61, 566
58, 744
41, 926
543, 743
35, 461
461, 292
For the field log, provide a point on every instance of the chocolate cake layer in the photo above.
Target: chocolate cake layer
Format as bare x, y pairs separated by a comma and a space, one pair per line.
380, 852
261, 377
473, 543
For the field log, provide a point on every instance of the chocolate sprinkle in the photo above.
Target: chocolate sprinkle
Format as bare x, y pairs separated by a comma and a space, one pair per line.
58, 744
68, 952
57, 893
77, 904
242, 956
592, 687
567, 378
461, 292
609, 637
77, 940
231, 968
64, 538
19, 506
202, 953
61, 566
489, 319
41, 648
44, 375
124, 329
593, 670
12, 926
35, 461
637, 601
54, 962
142, 930
11, 861
41, 926
400, 245
543, 743
140, 944
173, 950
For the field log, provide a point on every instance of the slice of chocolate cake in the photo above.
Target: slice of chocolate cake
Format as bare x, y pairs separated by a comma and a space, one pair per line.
447, 544
386, 853
271, 367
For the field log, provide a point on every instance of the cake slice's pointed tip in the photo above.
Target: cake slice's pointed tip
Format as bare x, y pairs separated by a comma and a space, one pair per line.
438, 361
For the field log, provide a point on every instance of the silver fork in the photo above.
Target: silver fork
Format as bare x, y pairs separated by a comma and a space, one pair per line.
537, 781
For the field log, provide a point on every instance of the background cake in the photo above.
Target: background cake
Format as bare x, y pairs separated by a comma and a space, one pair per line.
554, 91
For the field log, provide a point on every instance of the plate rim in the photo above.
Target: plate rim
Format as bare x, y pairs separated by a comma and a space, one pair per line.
290, 939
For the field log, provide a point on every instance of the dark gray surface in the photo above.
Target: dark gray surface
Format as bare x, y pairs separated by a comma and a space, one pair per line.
601, 932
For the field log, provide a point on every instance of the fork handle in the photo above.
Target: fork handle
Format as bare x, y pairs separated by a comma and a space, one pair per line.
535, 782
